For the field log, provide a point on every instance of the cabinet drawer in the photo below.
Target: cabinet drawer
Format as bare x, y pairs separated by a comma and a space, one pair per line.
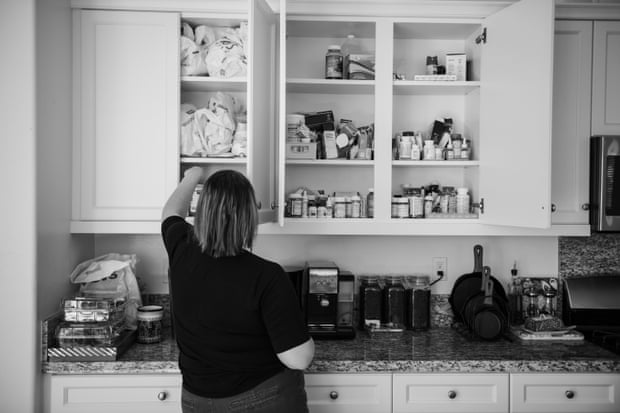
564, 393
115, 393
450, 393
360, 393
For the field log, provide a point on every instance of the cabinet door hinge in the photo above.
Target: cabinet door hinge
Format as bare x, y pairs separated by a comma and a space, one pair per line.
483, 37
479, 205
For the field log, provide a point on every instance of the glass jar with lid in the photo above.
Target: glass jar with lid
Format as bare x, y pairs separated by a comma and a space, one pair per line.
370, 302
394, 302
418, 302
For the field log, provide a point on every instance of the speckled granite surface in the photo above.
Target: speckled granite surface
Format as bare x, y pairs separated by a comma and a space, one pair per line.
596, 254
436, 350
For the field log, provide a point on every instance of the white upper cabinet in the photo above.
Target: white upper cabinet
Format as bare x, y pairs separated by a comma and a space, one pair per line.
606, 79
503, 109
515, 112
572, 86
128, 94
125, 115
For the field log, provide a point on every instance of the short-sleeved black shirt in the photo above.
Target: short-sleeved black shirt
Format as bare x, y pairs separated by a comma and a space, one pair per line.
231, 315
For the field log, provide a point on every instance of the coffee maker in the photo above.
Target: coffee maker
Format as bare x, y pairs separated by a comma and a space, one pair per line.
328, 309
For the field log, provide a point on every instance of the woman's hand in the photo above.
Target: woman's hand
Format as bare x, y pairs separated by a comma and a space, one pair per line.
195, 172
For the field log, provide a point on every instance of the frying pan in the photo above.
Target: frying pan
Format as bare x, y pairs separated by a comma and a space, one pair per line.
486, 313
470, 284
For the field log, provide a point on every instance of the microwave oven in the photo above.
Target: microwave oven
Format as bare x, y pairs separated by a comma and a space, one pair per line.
605, 183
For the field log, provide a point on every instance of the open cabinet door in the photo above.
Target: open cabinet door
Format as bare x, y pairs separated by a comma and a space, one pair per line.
261, 105
515, 115
281, 112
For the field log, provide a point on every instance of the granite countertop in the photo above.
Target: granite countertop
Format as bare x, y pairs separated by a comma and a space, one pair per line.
439, 350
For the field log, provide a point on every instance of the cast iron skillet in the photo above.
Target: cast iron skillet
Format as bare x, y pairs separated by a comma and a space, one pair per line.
485, 313
470, 284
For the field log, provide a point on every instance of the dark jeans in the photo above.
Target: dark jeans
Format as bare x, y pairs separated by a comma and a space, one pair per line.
285, 392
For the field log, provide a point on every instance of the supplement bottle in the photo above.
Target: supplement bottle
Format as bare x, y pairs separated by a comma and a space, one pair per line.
333, 62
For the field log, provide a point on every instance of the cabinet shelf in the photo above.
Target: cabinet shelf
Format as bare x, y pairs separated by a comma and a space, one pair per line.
435, 163
206, 84
192, 160
330, 86
330, 162
431, 87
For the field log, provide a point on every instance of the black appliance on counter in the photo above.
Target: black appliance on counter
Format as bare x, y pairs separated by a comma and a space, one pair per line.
326, 297
592, 304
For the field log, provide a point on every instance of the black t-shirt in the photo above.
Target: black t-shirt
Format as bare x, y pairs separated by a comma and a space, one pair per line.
231, 315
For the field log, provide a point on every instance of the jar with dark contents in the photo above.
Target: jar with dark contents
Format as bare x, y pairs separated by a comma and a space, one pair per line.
370, 298
394, 303
418, 303
150, 324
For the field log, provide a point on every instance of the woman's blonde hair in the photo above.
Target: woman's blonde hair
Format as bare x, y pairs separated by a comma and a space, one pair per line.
226, 215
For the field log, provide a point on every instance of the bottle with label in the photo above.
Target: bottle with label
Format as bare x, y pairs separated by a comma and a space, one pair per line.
429, 150
333, 63
462, 201
356, 205
514, 298
465, 151
370, 203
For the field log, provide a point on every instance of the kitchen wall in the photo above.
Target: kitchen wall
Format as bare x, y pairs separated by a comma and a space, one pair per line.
363, 254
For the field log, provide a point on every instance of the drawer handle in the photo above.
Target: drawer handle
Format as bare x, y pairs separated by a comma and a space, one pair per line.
452, 394
162, 395
569, 394
333, 395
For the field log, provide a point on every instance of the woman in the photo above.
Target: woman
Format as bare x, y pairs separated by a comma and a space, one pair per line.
242, 340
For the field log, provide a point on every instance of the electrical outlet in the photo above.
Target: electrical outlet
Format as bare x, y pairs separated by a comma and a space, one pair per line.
440, 266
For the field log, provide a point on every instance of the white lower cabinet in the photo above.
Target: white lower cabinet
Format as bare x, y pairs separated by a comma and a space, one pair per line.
113, 393
564, 393
357, 392
436, 393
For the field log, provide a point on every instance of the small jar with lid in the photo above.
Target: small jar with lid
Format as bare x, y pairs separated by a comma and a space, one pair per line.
340, 208
404, 148
400, 207
333, 62
370, 203
296, 205
348, 207
416, 203
150, 324
394, 302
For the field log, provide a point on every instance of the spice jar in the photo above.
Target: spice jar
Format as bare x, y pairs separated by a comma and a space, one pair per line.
394, 303
370, 298
149, 323
418, 302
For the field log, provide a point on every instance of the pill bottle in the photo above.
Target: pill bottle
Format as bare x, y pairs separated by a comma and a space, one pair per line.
333, 62
356, 206
429, 150
296, 205
340, 210
149, 323
370, 203
462, 201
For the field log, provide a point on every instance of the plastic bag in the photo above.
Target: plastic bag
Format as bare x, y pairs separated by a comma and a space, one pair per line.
191, 144
226, 56
111, 276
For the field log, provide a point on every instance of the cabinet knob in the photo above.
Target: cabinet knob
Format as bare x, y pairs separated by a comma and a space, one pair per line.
162, 395
274, 205
333, 395
259, 205
452, 394
585, 207
553, 208
569, 394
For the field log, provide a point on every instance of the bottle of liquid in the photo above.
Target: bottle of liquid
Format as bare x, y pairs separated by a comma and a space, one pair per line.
370, 203
514, 297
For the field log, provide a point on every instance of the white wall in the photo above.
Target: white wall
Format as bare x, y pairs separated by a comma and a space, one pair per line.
364, 255
18, 351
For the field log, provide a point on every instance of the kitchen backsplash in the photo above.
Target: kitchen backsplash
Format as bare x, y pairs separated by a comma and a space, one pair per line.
597, 254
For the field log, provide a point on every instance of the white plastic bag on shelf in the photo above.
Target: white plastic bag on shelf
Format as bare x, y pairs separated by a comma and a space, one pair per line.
111, 276
192, 144
192, 58
226, 56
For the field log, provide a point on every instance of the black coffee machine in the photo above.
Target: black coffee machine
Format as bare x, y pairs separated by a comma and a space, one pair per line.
327, 300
